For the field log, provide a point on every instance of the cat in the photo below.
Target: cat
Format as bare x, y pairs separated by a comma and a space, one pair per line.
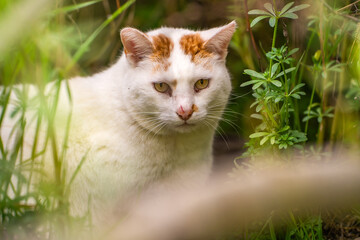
150, 116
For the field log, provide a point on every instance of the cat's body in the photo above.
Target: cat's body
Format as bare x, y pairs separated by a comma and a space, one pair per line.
150, 116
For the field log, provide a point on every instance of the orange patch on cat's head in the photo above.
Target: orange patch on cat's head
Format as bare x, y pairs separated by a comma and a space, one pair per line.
162, 47
194, 45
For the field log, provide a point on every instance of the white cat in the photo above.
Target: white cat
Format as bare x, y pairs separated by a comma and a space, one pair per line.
150, 116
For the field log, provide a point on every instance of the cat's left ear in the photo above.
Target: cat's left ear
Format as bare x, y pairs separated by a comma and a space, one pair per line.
220, 38
137, 45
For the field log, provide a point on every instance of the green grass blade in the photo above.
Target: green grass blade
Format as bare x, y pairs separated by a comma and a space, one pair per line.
74, 7
272, 230
76, 172
85, 46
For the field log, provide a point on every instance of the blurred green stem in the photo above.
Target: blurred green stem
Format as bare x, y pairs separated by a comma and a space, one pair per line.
286, 96
323, 94
311, 101
273, 42
337, 111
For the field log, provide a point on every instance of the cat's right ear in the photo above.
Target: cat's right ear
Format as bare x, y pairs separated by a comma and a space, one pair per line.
137, 45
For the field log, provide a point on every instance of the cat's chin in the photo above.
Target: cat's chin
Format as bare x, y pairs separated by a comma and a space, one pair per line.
185, 127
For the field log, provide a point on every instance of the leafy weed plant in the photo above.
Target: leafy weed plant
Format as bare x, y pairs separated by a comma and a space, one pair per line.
276, 88
313, 98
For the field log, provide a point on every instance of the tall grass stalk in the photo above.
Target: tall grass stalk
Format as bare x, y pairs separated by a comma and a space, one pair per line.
26, 68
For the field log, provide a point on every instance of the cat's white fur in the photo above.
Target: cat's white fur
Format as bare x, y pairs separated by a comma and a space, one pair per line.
130, 132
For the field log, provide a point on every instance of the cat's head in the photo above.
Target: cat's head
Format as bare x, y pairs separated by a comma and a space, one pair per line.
176, 79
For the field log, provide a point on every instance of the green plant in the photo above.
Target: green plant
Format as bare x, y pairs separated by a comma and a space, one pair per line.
321, 83
32, 204
276, 88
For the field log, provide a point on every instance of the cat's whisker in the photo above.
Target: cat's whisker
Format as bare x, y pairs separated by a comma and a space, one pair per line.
152, 122
147, 112
234, 96
219, 130
158, 126
229, 112
157, 129
233, 125
149, 123
208, 125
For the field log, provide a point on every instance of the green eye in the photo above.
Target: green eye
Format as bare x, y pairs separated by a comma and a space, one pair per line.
201, 84
161, 87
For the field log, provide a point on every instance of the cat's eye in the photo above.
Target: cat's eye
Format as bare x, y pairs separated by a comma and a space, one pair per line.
201, 84
161, 87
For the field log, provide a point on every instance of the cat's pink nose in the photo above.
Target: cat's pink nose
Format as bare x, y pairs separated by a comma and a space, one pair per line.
184, 113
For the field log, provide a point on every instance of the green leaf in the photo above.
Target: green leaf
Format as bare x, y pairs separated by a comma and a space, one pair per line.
286, 71
258, 12
257, 116
298, 8
297, 87
290, 15
278, 99
276, 83
257, 85
295, 95
264, 140
286, 7
270, 8
272, 21
254, 103
258, 134
274, 69
249, 83
283, 145
307, 118
284, 128
256, 20
259, 107
272, 140
329, 109
291, 52
254, 73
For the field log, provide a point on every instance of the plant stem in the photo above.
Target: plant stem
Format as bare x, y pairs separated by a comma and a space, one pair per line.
270, 115
248, 29
339, 99
321, 132
286, 96
273, 43
311, 101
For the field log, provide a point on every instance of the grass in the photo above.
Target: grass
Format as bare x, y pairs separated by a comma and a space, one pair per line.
48, 52
299, 88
